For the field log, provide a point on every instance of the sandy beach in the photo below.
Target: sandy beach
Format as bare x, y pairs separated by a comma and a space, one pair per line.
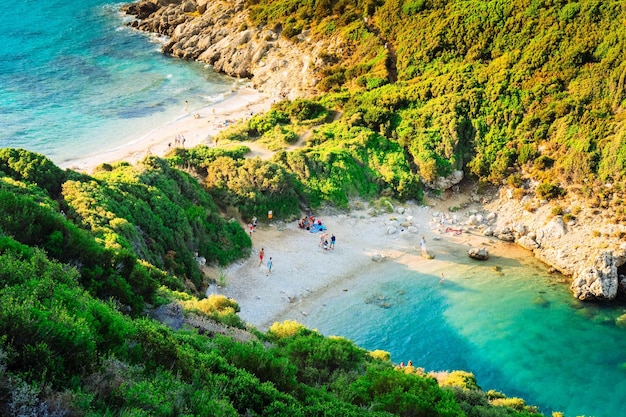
197, 126
303, 271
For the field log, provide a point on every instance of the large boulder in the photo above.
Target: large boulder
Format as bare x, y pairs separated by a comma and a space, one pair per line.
506, 234
598, 281
141, 10
482, 254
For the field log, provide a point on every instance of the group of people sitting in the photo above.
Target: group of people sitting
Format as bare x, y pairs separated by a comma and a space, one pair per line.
311, 224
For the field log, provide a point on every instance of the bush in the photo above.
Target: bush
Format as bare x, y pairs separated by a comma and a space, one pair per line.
461, 379
261, 123
32, 168
285, 329
544, 162
557, 211
380, 355
549, 191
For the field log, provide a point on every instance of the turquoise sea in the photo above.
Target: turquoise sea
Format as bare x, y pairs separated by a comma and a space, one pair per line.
518, 329
74, 80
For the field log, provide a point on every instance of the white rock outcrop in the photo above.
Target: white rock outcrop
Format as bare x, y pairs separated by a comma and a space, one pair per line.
599, 281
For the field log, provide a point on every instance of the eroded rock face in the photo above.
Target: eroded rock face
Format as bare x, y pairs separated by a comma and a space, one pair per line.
217, 33
598, 281
551, 232
444, 183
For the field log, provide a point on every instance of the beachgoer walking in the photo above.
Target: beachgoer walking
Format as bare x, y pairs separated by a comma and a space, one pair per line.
186, 105
261, 255
332, 241
441, 279
250, 229
322, 239
423, 244
269, 266
254, 223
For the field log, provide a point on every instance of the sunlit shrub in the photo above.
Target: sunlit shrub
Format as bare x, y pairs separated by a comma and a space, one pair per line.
217, 303
285, 329
549, 191
514, 403
460, 379
380, 355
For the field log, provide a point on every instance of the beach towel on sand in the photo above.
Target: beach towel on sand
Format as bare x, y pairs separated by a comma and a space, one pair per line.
317, 228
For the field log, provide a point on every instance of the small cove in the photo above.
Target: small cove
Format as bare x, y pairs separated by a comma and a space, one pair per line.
516, 327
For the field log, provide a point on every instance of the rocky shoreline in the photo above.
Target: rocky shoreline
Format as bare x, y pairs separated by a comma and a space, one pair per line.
573, 239
217, 33
576, 240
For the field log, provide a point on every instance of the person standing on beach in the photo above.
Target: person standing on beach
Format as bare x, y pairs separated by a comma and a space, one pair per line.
186, 105
441, 279
269, 266
261, 255
332, 241
423, 244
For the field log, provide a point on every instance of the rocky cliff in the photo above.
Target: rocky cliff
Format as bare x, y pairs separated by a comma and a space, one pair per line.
217, 32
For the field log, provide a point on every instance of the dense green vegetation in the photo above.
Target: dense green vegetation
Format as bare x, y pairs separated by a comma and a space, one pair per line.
487, 87
502, 90
82, 257
127, 229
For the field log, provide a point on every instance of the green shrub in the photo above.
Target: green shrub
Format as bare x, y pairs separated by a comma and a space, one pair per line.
557, 211
32, 168
261, 123
549, 191
544, 162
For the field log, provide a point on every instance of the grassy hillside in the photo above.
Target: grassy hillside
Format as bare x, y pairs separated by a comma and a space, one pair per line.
81, 257
503, 90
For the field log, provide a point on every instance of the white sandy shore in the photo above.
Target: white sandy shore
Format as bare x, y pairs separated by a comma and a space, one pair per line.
195, 126
303, 272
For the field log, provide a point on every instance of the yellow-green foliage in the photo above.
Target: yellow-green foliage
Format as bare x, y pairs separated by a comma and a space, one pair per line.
381, 355
285, 329
216, 303
217, 307
514, 403
461, 379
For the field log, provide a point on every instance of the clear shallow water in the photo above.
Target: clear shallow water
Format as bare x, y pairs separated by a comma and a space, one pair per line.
74, 80
518, 330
